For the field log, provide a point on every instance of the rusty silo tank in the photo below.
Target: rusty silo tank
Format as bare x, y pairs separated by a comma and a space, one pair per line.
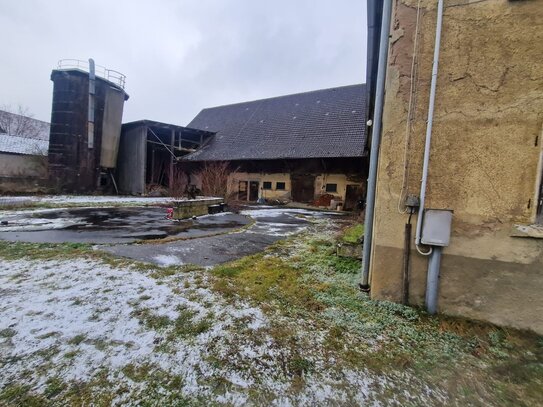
86, 120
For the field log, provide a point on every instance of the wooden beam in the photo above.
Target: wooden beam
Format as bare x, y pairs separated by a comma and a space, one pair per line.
189, 150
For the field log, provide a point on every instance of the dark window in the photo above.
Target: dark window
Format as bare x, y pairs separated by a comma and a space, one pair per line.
331, 187
266, 185
280, 185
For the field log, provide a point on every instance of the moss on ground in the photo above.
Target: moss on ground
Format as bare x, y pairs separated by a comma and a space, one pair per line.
353, 234
304, 279
98, 391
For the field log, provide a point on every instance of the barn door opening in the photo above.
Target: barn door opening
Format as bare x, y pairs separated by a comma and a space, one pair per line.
253, 190
352, 195
303, 188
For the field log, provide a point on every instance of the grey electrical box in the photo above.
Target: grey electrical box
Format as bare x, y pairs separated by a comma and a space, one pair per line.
436, 227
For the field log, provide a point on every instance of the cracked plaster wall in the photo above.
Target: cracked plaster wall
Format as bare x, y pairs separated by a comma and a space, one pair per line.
485, 162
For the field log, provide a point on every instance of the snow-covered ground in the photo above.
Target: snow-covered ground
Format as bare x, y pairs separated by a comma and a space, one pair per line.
36, 224
83, 199
70, 320
281, 221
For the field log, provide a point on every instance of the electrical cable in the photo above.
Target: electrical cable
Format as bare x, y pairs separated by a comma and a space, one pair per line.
429, 252
405, 177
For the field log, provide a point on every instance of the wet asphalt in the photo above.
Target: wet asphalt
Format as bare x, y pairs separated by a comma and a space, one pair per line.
111, 225
205, 241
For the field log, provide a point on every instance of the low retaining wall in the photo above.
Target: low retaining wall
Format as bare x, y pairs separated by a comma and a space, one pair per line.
194, 207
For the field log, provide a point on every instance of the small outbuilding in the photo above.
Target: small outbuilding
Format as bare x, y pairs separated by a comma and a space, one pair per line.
149, 152
23, 153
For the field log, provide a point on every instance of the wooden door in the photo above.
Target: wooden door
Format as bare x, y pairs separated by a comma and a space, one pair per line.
303, 188
352, 195
253, 190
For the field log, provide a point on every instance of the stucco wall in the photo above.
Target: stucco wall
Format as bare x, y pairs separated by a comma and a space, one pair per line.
273, 193
19, 165
485, 156
341, 180
320, 184
22, 173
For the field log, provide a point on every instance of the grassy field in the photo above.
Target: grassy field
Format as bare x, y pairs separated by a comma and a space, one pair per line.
286, 326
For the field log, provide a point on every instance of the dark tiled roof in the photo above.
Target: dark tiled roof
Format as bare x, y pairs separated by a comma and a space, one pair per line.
324, 123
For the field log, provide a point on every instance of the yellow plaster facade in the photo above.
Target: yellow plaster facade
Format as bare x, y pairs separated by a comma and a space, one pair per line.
485, 162
340, 180
273, 193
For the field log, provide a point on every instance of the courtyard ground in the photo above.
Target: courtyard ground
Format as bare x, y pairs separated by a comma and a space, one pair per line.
283, 326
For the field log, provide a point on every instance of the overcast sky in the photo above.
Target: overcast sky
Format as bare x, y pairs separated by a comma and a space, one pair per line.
181, 56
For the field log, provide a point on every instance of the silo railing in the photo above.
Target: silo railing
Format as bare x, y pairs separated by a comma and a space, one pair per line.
109, 74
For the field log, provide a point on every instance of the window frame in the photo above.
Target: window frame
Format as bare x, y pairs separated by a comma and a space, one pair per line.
329, 191
284, 184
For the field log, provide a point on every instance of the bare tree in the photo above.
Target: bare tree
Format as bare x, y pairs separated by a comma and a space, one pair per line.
214, 178
20, 122
179, 184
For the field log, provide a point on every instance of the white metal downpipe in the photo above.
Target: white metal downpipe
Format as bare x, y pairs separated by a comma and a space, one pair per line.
434, 262
92, 92
375, 139
429, 125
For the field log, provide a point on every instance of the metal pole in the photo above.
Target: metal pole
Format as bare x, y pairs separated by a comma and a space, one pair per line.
92, 92
431, 106
432, 283
172, 144
375, 140
406, 257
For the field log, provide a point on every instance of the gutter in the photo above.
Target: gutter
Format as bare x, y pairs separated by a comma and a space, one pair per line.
375, 141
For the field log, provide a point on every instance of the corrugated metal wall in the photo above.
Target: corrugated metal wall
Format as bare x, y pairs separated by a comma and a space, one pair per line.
111, 126
132, 161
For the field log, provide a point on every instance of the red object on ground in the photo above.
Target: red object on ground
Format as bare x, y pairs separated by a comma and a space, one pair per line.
324, 200
169, 213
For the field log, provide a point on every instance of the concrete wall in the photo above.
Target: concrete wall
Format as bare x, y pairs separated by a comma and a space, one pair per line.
22, 173
21, 165
131, 165
485, 158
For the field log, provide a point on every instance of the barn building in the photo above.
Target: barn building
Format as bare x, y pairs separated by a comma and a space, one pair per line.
297, 147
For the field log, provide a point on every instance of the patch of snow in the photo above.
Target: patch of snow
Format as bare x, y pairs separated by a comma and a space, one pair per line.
96, 199
214, 215
37, 224
90, 199
165, 260
72, 318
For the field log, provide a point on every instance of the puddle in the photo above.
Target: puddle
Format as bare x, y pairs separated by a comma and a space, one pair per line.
271, 224
111, 225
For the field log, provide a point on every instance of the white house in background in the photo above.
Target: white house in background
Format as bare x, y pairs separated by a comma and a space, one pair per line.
24, 142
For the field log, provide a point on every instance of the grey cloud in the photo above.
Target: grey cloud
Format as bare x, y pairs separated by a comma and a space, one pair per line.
182, 56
